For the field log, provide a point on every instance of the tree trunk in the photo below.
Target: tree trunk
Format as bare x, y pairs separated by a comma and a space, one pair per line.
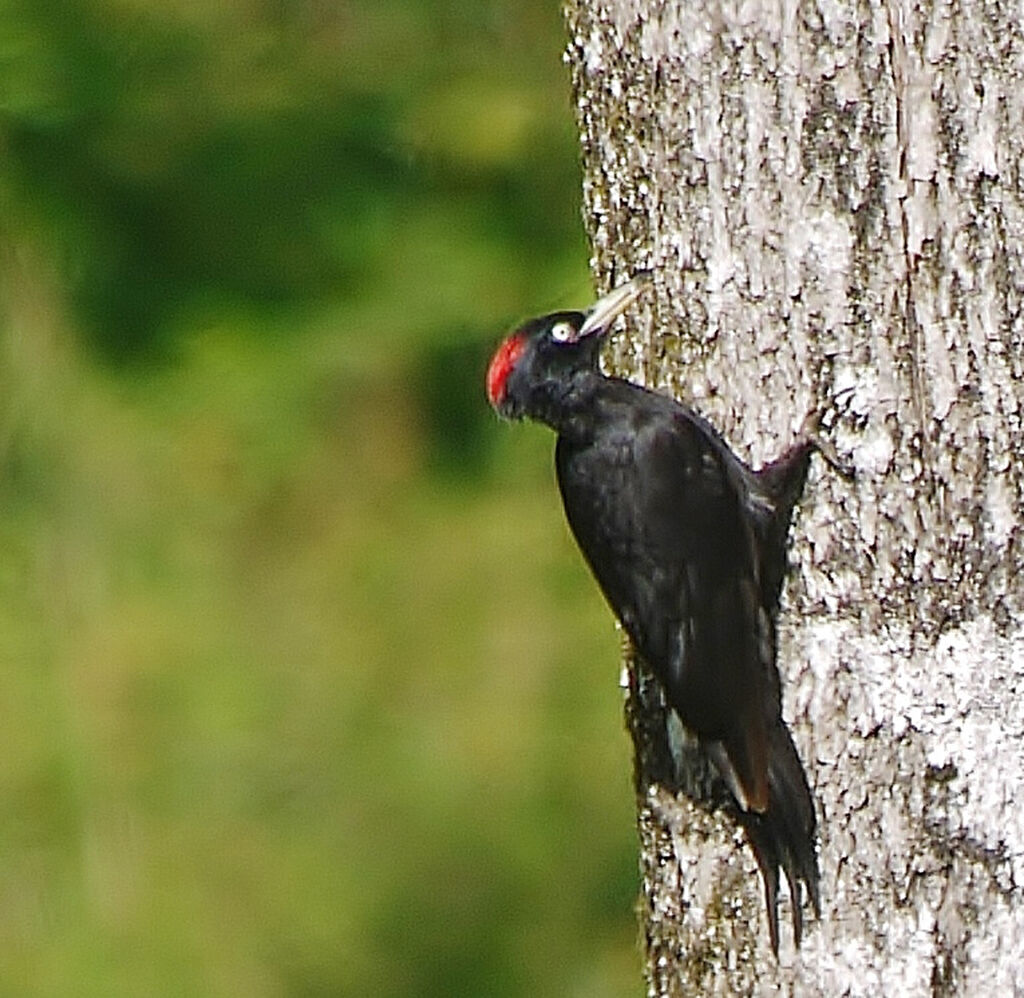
830, 197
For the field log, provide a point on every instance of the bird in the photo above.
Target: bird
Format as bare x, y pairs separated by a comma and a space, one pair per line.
688, 544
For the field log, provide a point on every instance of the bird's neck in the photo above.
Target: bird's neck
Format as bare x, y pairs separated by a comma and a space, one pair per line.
567, 405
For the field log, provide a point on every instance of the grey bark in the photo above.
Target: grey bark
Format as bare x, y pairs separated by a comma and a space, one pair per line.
830, 197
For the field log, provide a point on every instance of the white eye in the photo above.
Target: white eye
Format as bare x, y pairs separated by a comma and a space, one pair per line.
563, 332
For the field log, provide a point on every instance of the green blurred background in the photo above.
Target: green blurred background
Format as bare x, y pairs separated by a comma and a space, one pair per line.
304, 689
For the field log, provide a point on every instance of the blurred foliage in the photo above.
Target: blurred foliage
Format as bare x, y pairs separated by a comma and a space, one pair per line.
305, 690
270, 156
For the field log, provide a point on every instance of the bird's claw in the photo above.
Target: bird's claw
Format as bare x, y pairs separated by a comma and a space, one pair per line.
810, 431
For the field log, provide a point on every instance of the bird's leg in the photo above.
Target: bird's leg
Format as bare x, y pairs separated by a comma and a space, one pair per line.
810, 435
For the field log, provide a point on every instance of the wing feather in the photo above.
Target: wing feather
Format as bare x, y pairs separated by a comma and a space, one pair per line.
659, 516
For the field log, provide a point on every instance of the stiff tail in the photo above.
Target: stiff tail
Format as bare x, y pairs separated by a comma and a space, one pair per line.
784, 837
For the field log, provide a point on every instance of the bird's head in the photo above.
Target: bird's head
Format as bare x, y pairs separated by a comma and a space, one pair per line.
540, 359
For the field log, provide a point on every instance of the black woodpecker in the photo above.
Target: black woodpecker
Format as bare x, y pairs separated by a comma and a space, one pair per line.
688, 545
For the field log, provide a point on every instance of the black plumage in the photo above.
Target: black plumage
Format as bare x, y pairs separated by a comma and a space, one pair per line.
688, 545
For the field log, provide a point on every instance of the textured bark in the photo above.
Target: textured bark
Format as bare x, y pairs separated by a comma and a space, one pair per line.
830, 197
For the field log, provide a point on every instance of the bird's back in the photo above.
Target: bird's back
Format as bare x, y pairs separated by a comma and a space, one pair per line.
656, 507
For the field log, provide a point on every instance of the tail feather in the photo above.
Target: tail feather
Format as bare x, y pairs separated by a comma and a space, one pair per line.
783, 837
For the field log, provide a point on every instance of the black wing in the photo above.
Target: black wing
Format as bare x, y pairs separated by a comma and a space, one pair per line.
688, 547
658, 511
